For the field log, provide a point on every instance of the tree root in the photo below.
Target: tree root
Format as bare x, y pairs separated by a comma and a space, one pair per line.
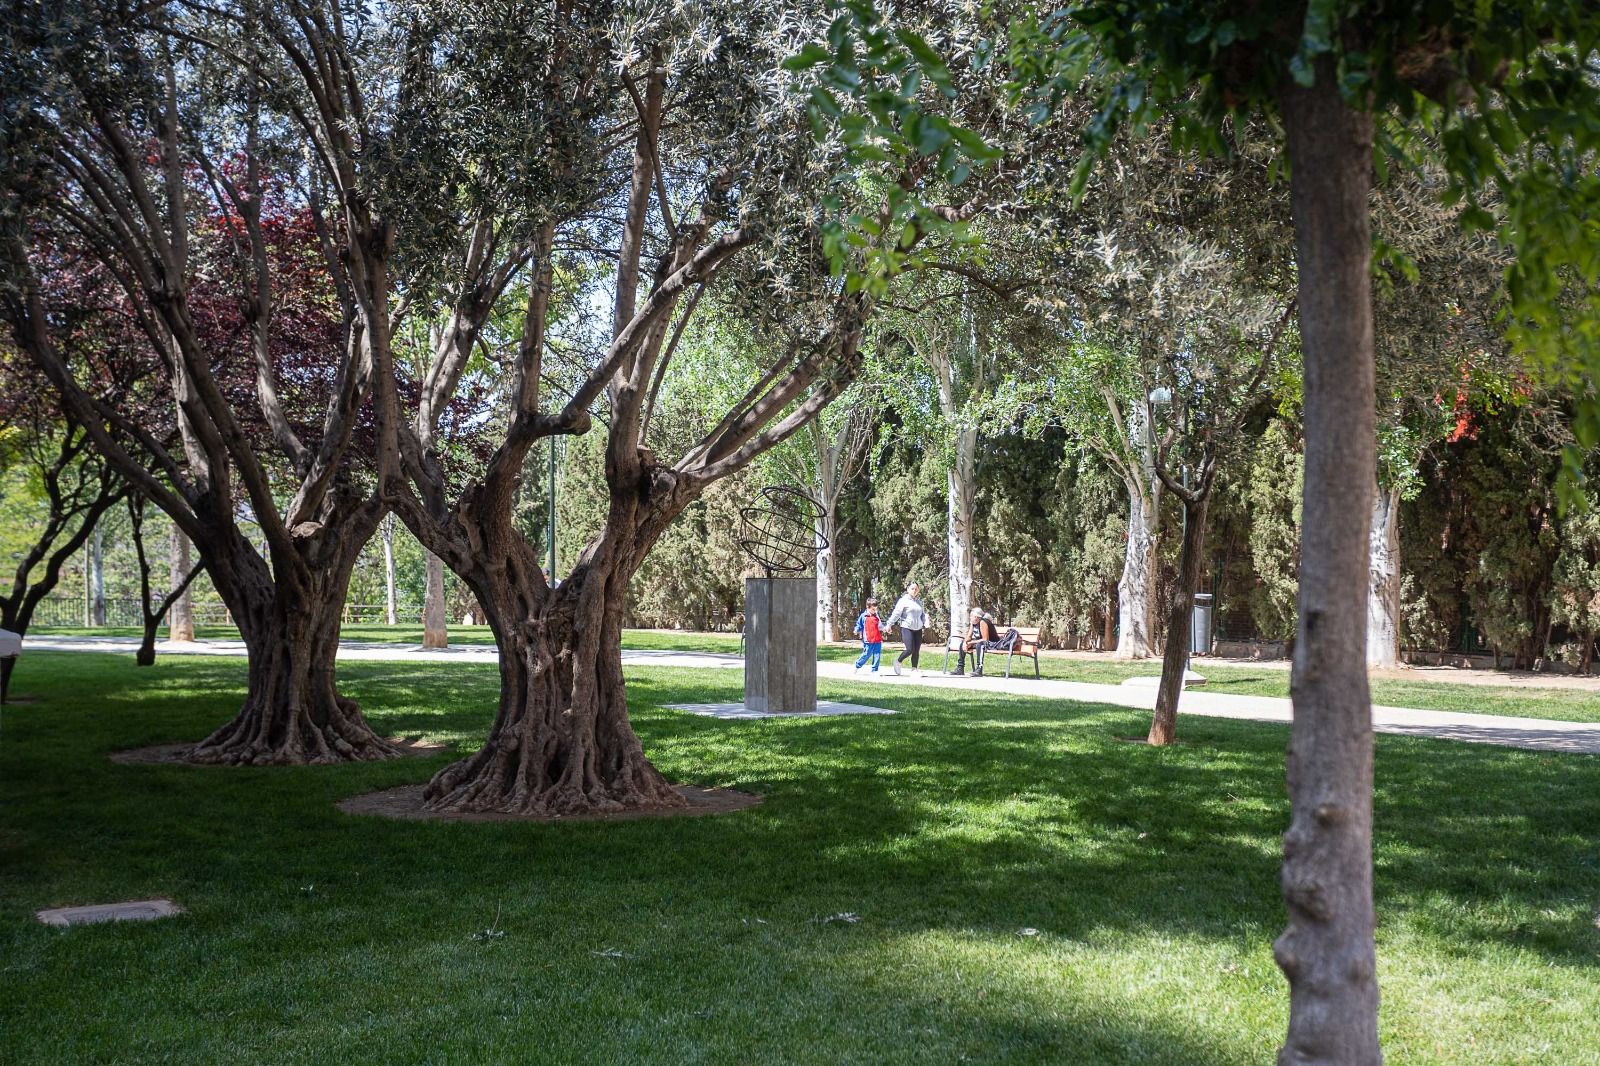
250, 740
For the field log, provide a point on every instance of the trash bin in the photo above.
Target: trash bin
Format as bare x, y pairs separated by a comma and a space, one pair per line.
1200, 624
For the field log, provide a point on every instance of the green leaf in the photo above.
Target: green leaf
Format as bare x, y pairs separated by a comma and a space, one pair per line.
807, 57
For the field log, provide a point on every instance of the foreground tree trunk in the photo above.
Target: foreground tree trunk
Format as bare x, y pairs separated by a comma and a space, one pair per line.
289, 620
435, 632
1383, 593
1327, 952
1136, 587
1175, 656
180, 616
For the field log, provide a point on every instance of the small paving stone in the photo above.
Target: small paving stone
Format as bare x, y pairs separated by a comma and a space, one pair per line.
137, 910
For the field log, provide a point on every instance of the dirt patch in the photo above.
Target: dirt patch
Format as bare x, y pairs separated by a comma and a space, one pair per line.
173, 754
405, 804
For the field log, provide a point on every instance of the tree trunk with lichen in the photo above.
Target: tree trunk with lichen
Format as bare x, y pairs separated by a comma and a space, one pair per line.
289, 620
1328, 952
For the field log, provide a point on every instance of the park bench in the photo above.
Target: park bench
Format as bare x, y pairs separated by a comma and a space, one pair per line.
1026, 644
10, 648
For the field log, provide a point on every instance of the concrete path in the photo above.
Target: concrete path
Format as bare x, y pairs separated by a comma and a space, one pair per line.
1536, 734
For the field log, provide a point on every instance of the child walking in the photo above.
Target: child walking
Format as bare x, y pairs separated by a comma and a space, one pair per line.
870, 630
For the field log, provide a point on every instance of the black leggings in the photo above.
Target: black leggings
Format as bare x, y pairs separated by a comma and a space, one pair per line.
913, 639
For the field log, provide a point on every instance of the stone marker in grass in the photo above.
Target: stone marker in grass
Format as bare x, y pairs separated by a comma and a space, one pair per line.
137, 910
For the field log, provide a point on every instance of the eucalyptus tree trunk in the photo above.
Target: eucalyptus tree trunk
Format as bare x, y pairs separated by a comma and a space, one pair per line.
828, 465
388, 570
826, 577
289, 619
1328, 952
1180, 611
180, 616
435, 632
1136, 587
97, 576
961, 483
1383, 572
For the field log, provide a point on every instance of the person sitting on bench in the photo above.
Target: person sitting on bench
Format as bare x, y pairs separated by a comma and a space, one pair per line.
981, 636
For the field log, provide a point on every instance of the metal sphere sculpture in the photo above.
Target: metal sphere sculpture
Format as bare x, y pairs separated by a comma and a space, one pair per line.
778, 531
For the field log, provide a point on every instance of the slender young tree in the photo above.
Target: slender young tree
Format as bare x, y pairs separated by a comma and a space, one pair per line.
152, 608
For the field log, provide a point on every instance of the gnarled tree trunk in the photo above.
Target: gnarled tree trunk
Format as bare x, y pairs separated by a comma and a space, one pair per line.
294, 712
1175, 656
1328, 952
1383, 593
561, 742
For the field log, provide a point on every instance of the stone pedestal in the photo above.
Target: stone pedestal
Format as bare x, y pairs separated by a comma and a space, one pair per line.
780, 657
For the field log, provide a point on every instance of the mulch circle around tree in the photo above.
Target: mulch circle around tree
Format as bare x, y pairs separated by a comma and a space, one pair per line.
172, 754
405, 804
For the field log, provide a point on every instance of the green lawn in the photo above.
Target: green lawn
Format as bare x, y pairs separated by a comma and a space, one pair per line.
1573, 705
947, 830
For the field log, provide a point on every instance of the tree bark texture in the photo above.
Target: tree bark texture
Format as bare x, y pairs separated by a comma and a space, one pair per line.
825, 576
1327, 952
180, 616
97, 576
1180, 610
561, 742
293, 713
388, 570
435, 631
1383, 593
1136, 587
961, 482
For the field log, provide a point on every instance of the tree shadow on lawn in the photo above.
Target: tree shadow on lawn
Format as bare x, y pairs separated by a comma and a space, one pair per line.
1036, 800
983, 812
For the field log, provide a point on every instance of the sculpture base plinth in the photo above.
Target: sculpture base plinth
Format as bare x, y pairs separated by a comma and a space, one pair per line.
780, 658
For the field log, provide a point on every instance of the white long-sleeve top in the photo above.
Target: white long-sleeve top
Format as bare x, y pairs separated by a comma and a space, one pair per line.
908, 613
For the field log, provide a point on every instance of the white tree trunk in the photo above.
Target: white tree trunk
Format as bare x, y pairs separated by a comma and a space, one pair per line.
1383, 591
434, 631
97, 577
1136, 589
960, 480
388, 568
180, 617
825, 583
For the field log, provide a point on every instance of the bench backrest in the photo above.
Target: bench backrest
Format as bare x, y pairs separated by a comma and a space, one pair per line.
1027, 639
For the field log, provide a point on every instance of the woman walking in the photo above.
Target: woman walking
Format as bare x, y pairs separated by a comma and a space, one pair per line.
912, 618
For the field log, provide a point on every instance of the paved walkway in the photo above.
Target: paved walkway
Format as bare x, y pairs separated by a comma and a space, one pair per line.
1536, 734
